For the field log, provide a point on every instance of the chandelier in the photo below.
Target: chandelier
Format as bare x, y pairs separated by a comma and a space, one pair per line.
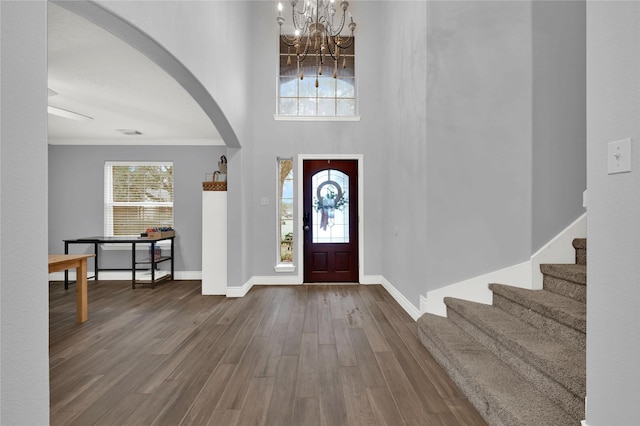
316, 34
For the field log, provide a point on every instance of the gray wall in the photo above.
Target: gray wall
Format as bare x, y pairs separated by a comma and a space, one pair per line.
479, 137
506, 148
613, 204
80, 213
403, 128
24, 349
288, 138
559, 117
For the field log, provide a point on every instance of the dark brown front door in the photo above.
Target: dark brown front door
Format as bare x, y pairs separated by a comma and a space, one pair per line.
330, 220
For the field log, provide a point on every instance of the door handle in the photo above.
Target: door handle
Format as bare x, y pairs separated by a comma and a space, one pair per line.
305, 220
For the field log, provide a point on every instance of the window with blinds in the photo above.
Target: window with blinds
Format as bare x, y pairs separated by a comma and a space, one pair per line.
137, 196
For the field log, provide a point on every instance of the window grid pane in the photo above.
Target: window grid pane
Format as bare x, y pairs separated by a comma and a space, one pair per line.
307, 96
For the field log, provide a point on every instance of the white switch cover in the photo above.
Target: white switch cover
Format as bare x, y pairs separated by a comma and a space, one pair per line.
264, 201
619, 157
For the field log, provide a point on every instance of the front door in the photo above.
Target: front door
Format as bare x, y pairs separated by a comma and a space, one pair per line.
330, 220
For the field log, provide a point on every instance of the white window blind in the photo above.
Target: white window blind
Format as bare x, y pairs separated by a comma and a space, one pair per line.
137, 196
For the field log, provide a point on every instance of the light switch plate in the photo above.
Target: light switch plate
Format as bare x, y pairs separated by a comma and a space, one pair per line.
264, 201
619, 157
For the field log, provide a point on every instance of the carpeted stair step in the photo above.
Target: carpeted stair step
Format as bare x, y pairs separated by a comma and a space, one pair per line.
568, 280
562, 317
580, 245
503, 397
551, 366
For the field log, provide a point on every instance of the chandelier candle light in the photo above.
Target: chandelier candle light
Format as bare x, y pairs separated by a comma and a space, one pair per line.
314, 25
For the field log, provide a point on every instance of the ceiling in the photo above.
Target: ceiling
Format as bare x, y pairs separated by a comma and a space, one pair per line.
96, 74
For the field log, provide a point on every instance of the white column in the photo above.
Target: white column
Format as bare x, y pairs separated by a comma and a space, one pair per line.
214, 242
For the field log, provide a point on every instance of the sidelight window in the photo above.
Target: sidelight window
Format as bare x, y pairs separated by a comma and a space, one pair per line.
285, 211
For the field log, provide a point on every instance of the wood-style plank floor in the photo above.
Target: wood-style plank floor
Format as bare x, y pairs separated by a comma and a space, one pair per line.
281, 355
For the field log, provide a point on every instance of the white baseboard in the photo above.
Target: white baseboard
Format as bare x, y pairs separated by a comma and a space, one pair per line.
584, 423
523, 275
401, 299
477, 289
240, 291
276, 280
558, 250
371, 279
123, 275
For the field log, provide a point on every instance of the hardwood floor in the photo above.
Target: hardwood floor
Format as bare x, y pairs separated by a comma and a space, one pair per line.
282, 355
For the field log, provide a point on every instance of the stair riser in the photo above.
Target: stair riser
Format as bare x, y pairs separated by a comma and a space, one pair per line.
571, 403
561, 331
475, 394
565, 288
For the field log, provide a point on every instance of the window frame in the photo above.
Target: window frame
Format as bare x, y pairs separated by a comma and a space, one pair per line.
337, 118
280, 266
108, 222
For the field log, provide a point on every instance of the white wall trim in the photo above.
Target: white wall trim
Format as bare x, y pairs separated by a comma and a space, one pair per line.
136, 142
371, 279
240, 291
558, 250
284, 268
277, 117
477, 289
423, 305
123, 275
276, 280
524, 275
401, 299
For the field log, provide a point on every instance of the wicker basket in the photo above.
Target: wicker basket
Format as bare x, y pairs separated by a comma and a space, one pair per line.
214, 186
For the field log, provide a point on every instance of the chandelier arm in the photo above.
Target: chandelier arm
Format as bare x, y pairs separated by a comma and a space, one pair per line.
300, 23
331, 30
333, 56
303, 55
346, 46
287, 39
297, 23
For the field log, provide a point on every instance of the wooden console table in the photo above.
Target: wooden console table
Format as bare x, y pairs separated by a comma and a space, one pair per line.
63, 262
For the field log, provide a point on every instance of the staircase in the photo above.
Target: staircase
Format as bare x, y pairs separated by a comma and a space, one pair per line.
520, 361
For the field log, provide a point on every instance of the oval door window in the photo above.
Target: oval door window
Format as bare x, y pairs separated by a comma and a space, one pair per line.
331, 206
